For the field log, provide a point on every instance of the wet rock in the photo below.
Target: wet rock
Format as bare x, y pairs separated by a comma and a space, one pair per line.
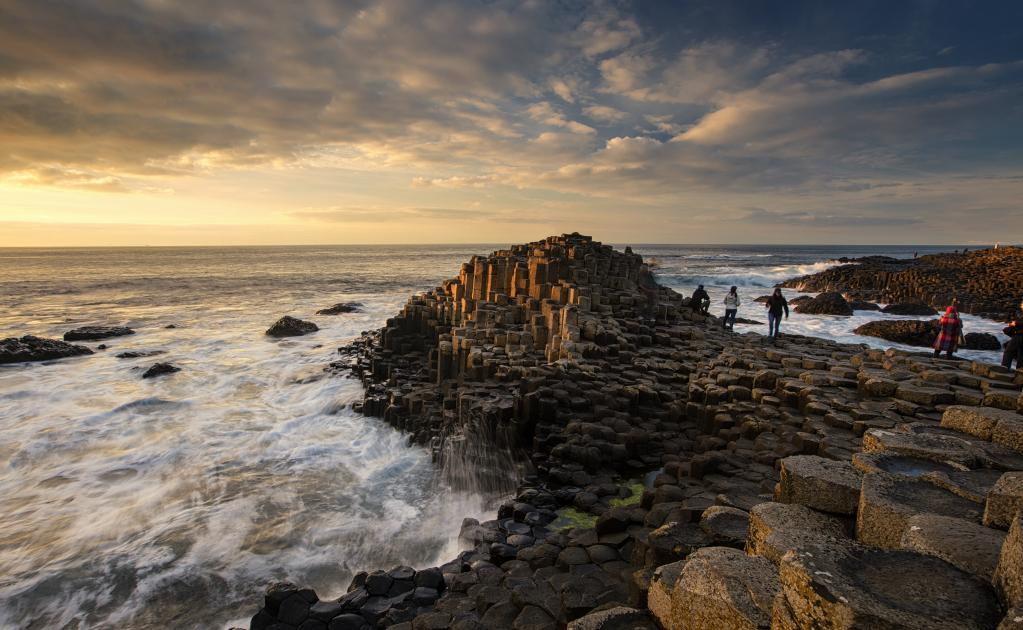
288, 326
830, 303
1004, 501
340, 308
160, 369
909, 308
853, 586
89, 333
912, 332
887, 502
981, 341
964, 544
862, 305
30, 348
822, 484
137, 354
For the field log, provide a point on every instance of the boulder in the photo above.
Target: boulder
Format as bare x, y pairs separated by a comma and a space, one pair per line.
981, 341
911, 332
1004, 501
288, 326
1008, 579
339, 308
847, 586
30, 348
831, 303
159, 369
909, 308
720, 587
964, 544
89, 333
887, 502
822, 484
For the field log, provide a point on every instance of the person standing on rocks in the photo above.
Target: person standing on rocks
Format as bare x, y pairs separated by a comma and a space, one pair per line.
1014, 347
775, 305
950, 331
731, 308
700, 300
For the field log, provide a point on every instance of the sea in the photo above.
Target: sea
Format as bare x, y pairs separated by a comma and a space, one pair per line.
173, 502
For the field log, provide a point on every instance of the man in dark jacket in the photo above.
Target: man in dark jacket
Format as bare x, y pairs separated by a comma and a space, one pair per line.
700, 300
776, 304
1014, 347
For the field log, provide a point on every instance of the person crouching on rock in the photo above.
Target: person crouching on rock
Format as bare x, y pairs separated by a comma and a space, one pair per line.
700, 301
731, 308
950, 331
1014, 347
775, 305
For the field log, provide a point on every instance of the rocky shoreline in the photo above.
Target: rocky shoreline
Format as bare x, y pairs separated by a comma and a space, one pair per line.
668, 473
987, 282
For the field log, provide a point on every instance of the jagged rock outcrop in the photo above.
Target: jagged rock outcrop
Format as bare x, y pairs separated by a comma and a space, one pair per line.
30, 348
340, 308
660, 440
987, 282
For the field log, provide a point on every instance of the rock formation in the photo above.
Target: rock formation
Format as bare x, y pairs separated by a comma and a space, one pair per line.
710, 478
339, 308
90, 333
987, 282
159, 369
922, 333
288, 326
29, 348
829, 303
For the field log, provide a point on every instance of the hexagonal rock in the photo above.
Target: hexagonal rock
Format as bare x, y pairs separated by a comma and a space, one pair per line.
976, 421
617, 618
963, 544
940, 448
721, 587
929, 396
887, 502
726, 526
969, 484
905, 465
659, 597
1004, 501
1009, 432
1008, 579
774, 528
822, 484
846, 586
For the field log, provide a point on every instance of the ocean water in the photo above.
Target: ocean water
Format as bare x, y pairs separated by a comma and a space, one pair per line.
173, 501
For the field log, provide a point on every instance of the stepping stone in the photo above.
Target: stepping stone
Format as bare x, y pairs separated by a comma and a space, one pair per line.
976, 421
969, 484
939, 448
1009, 432
963, 544
881, 461
1004, 501
726, 526
887, 502
778, 527
720, 587
822, 484
1008, 578
847, 585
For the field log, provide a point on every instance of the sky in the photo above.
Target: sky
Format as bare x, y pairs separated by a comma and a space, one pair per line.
228, 122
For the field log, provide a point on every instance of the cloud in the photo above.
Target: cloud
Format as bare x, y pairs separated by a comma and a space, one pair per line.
403, 215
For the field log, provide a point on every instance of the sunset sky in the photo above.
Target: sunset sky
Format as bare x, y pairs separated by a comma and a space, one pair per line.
162, 122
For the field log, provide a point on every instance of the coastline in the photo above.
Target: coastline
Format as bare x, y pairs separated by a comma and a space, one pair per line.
715, 413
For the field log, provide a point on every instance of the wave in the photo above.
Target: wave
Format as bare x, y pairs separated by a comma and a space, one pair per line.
761, 277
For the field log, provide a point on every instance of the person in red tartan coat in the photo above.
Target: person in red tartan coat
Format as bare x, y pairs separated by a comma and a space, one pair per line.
950, 332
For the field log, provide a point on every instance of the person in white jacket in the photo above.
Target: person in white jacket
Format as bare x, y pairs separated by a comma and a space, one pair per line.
731, 308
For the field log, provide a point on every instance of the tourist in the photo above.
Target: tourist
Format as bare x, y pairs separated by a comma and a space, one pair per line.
1014, 347
700, 300
731, 308
950, 331
776, 304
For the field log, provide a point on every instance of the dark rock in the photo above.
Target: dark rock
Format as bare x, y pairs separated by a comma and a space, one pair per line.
288, 326
862, 305
912, 332
293, 610
29, 348
347, 621
339, 308
159, 369
981, 341
89, 333
137, 354
830, 303
378, 583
